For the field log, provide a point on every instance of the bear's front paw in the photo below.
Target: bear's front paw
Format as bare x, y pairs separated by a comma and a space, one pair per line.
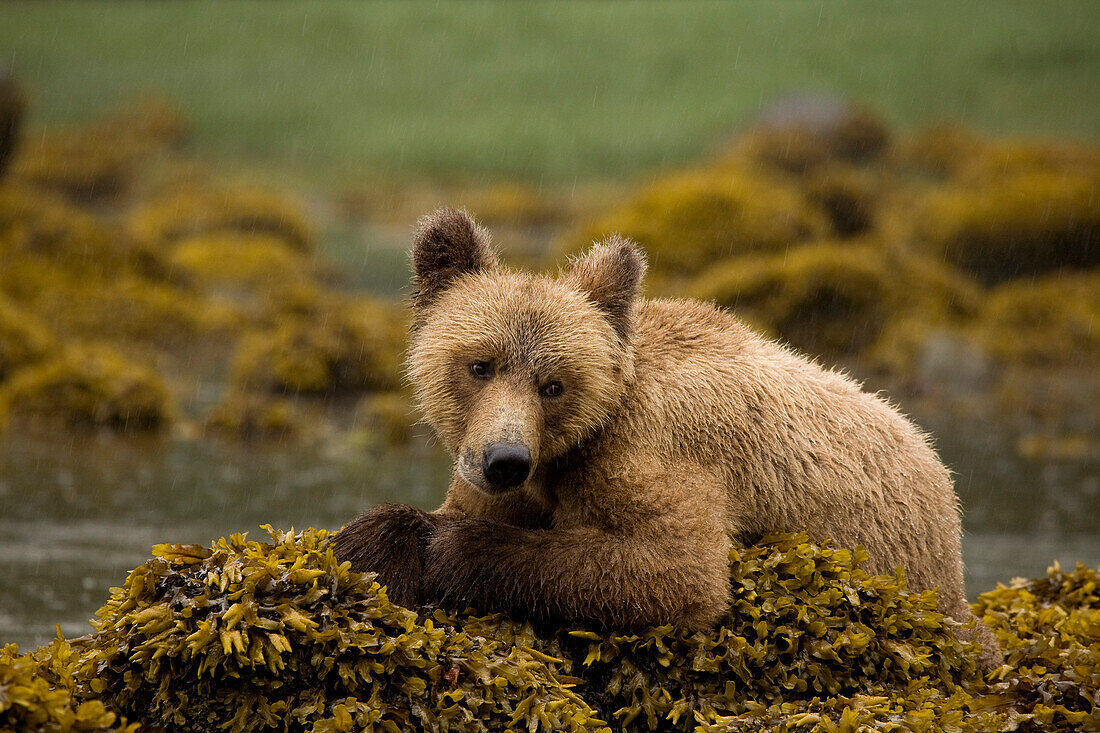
389, 540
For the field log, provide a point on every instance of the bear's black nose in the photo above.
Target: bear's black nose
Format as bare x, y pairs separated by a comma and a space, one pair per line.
506, 464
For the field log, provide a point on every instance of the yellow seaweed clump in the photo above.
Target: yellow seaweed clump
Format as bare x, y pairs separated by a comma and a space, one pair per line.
38, 228
33, 699
848, 195
253, 417
833, 299
87, 387
327, 348
192, 211
131, 309
247, 636
1049, 629
809, 134
1014, 226
101, 159
249, 261
512, 204
687, 222
23, 340
950, 152
1051, 321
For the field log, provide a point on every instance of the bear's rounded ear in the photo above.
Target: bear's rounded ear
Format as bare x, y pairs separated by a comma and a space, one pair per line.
611, 273
448, 243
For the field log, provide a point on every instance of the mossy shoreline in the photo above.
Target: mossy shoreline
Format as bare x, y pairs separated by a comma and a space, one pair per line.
246, 635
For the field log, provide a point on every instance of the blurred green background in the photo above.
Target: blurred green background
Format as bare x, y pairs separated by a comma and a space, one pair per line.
551, 92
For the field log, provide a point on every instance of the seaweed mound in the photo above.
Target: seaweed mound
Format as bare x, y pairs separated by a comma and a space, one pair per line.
87, 387
834, 298
23, 340
193, 211
689, 220
101, 161
1020, 225
116, 242
324, 347
1048, 321
250, 636
36, 694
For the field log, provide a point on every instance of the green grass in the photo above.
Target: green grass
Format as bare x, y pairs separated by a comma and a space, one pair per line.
555, 91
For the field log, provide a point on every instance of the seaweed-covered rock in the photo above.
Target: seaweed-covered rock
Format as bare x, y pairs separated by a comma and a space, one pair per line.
87, 387
100, 160
342, 348
23, 340
389, 415
33, 699
251, 417
848, 195
961, 155
206, 210
235, 259
805, 623
130, 310
688, 221
1014, 226
939, 151
801, 133
834, 299
248, 636
512, 204
1051, 321
39, 229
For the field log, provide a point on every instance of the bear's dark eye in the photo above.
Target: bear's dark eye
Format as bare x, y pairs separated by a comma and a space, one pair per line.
551, 389
481, 370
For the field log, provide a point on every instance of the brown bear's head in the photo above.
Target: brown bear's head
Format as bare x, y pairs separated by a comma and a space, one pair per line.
513, 369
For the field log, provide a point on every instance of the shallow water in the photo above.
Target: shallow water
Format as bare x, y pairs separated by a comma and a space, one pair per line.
75, 518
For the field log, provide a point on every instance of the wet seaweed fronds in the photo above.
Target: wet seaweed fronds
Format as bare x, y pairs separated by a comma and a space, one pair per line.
1049, 629
244, 636
36, 694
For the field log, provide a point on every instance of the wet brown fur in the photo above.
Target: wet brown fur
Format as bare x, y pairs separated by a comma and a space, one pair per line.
679, 431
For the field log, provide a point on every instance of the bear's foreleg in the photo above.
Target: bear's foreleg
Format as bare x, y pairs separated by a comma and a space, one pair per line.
390, 540
580, 574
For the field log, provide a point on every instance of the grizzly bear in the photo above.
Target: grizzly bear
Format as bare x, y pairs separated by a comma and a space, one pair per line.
609, 449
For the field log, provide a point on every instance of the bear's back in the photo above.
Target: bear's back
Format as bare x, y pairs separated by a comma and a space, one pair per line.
793, 442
